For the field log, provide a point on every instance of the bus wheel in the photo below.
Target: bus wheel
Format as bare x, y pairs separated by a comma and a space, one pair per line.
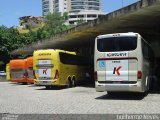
73, 81
48, 87
69, 83
24, 83
148, 83
145, 93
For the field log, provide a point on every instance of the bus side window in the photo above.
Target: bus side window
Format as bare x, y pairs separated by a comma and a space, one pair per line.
74, 59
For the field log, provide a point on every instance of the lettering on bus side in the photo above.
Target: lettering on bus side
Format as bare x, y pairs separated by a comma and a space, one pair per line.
124, 54
44, 54
116, 61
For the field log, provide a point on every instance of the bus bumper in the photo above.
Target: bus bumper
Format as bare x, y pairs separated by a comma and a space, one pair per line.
45, 82
137, 87
23, 80
30, 80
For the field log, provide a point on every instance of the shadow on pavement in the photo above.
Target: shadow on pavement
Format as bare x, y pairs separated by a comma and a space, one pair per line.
86, 83
52, 88
32, 85
122, 96
16, 84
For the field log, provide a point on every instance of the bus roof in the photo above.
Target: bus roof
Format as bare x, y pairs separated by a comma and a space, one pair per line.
29, 62
118, 35
17, 63
50, 51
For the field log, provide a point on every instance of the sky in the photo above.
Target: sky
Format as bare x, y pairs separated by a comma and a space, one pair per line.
11, 10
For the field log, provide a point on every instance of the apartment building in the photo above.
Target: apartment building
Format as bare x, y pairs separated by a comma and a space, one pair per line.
85, 10
55, 6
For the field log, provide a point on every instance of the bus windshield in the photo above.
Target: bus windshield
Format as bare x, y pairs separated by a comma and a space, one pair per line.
112, 44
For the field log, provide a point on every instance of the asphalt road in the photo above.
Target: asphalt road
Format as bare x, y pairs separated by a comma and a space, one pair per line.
30, 99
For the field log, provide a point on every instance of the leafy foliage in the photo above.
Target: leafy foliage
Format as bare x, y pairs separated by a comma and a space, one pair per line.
1, 63
54, 23
11, 39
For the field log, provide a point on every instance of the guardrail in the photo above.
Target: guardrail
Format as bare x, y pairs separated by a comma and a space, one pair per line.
3, 78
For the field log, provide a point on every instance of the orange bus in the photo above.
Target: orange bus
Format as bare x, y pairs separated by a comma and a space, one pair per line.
30, 78
18, 71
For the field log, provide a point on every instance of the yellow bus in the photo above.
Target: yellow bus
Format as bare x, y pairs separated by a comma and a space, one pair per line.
7, 72
58, 68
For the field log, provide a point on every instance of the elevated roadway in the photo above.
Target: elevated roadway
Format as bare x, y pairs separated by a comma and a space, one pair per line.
142, 17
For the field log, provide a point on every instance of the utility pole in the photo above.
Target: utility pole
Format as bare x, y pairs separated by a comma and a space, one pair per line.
122, 3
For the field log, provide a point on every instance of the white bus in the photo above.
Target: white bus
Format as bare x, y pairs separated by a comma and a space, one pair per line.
122, 63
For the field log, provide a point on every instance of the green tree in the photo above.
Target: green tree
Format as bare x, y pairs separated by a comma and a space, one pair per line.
1, 63
65, 16
54, 23
8, 42
42, 33
11, 39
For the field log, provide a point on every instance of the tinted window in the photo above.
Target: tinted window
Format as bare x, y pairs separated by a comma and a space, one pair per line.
116, 44
73, 59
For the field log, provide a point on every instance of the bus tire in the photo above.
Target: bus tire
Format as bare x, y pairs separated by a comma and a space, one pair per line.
73, 82
48, 87
69, 83
24, 83
148, 83
145, 93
